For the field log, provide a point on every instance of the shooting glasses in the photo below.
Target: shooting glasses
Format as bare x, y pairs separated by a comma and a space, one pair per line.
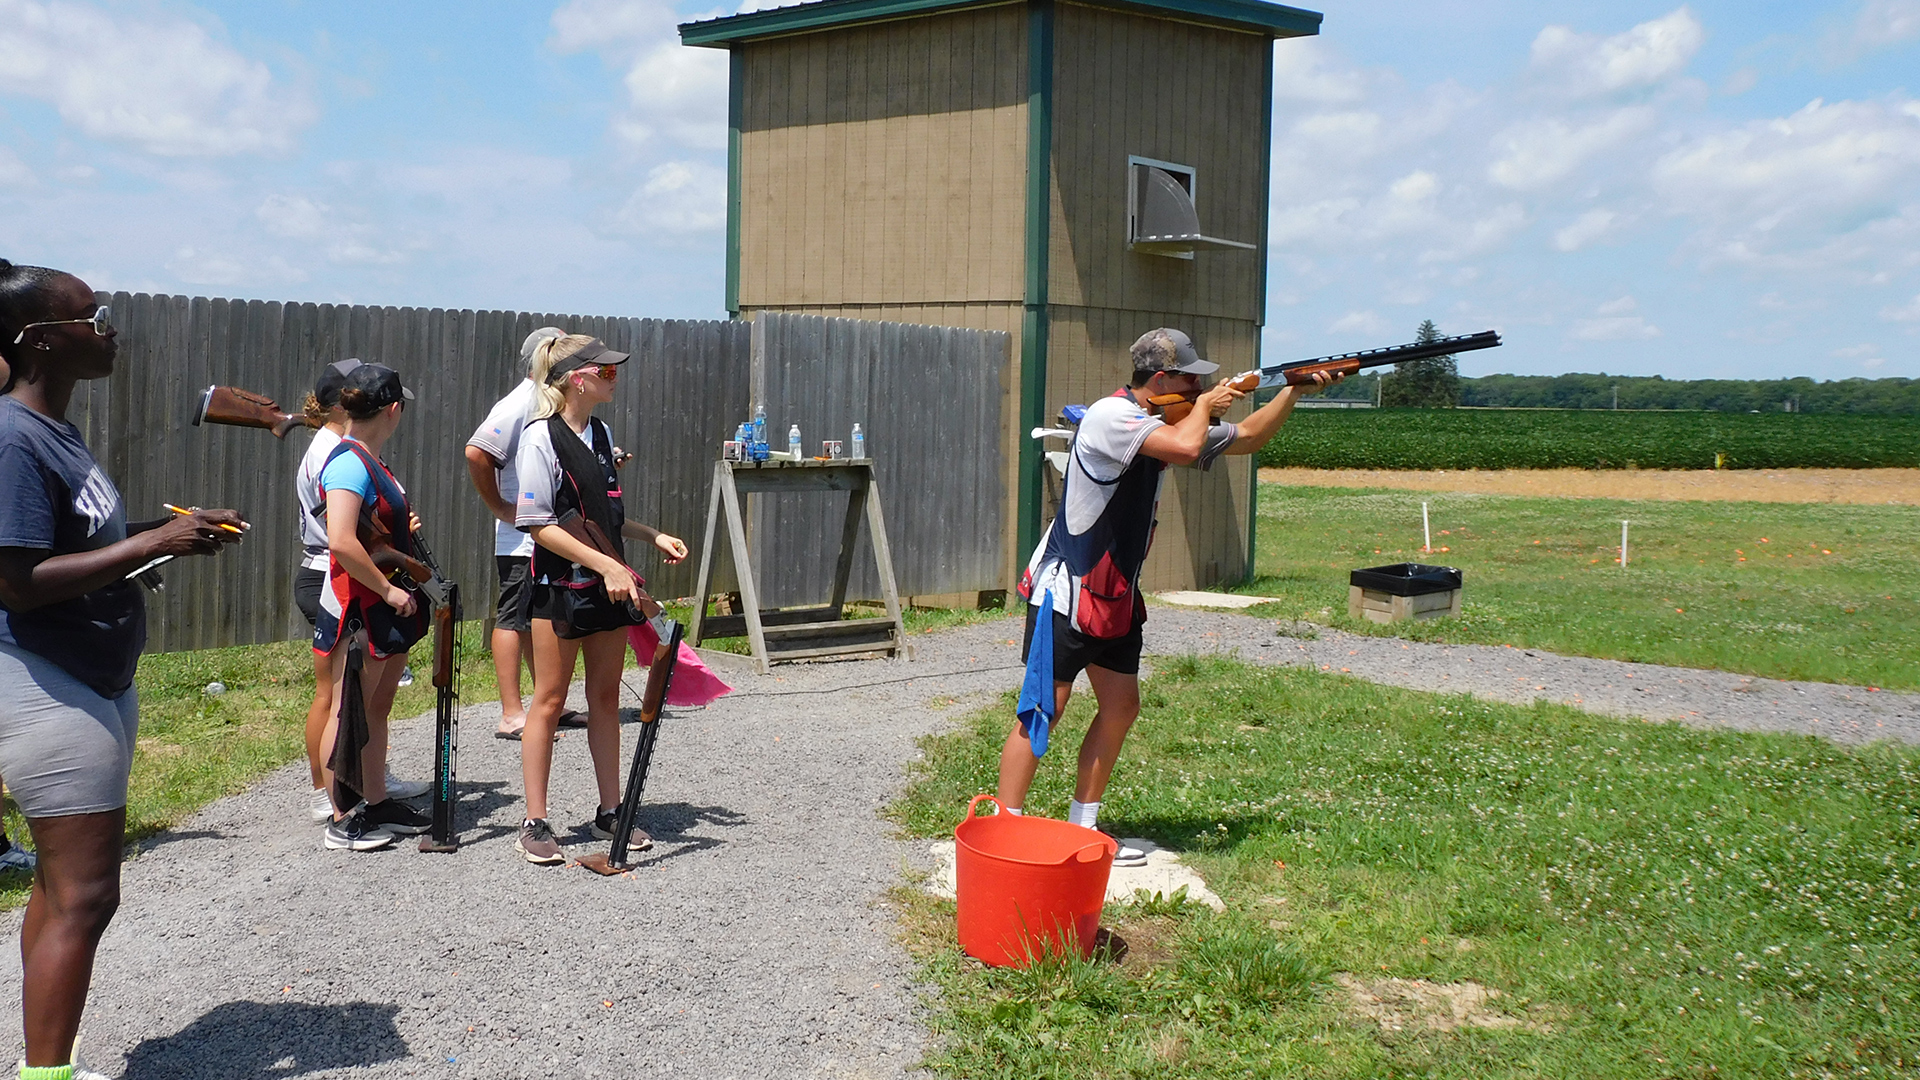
99, 319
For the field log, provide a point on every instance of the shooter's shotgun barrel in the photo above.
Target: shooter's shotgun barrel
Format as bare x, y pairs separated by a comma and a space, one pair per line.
243, 408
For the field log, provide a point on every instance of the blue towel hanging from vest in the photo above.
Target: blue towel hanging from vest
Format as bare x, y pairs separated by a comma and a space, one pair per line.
1036, 692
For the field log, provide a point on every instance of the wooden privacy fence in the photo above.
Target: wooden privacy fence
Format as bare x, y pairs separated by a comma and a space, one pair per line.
685, 390
930, 401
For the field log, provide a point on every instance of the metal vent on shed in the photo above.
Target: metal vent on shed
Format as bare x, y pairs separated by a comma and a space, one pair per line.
1161, 219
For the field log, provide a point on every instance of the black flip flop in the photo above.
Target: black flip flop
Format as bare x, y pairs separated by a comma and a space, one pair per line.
573, 718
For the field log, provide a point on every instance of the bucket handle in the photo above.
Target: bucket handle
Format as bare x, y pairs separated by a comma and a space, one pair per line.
1092, 853
997, 808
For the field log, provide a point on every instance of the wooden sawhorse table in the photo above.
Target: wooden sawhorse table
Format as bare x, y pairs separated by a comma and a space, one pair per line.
779, 634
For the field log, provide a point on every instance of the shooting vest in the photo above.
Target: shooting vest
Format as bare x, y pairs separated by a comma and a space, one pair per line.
346, 601
1105, 560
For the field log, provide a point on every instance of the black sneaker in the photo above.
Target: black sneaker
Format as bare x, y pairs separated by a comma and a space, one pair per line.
536, 842
398, 818
604, 822
1128, 855
354, 833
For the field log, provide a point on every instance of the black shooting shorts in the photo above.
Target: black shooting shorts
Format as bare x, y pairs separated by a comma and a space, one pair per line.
514, 608
307, 583
1074, 652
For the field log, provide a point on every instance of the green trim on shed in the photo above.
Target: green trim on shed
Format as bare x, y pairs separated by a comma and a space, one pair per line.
1033, 318
736, 115
1250, 16
1260, 324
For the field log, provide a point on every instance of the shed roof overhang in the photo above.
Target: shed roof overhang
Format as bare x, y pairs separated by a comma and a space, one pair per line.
1247, 16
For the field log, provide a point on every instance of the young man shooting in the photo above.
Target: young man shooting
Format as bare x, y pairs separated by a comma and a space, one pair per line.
1087, 567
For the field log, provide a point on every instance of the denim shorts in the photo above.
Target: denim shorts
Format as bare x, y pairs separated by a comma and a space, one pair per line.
64, 749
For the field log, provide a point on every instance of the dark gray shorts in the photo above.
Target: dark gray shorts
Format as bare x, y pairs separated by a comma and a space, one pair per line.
64, 749
514, 608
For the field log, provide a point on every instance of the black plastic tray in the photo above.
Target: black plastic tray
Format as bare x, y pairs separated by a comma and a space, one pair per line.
1407, 579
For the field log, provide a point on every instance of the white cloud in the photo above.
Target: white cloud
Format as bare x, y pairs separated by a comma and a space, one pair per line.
161, 83
14, 172
674, 93
340, 240
1615, 321
1358, 322
1300, 74
1884, 23
1650, 53
1624, 305
292, 216
1873, 362
1908, 312
1539, 152
1855, 350
679, 197
1584, 230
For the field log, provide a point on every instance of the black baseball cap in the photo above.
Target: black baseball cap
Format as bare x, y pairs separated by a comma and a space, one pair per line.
1167, 349
333, 379
592, 353
380, 383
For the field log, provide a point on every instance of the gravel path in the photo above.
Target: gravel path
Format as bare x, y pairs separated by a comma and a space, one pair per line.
752, 942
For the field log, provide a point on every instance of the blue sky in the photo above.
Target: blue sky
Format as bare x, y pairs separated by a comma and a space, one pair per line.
1708, 190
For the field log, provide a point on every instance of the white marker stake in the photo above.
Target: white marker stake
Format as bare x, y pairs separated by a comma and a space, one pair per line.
1426, 530
1623, 545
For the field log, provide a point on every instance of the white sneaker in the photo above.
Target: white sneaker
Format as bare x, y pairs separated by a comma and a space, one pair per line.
18, 858
320, 806
1128, 855
79, 1072
402, 789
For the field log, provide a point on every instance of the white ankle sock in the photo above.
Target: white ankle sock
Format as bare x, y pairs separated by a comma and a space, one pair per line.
1083, 813
1014, 810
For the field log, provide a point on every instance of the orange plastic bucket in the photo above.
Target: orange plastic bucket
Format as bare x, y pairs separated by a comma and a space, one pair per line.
1027, 886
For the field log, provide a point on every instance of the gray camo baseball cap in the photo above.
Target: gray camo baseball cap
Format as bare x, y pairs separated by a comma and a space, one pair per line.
1167, 349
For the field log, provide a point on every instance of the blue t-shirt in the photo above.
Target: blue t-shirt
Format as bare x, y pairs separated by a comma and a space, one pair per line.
54, 497
347, 472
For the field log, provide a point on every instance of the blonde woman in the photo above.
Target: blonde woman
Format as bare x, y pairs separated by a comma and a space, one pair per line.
581, 594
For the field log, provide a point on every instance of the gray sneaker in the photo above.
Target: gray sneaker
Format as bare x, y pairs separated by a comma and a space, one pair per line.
354, 833
16, 857
406, 789
536, 842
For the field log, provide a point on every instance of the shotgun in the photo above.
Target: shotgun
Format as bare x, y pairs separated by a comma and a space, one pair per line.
591, 534
659, 679
446, 722
1175, 407
244, 408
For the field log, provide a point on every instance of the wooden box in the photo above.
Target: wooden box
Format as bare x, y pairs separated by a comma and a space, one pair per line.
1388, 594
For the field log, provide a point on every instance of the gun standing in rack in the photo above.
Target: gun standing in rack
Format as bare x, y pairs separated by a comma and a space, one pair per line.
1175, 407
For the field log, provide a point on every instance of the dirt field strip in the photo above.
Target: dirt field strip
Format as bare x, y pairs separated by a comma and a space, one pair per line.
1874, 487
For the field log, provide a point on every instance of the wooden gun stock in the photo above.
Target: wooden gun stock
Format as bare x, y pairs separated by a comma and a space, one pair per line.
242, 408
659, 677
1175, 407
591, 534
445, 630
387, 558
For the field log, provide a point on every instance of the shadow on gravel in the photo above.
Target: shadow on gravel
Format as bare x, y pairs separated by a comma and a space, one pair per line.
671, 825
149, 841
241, 1040
477, 802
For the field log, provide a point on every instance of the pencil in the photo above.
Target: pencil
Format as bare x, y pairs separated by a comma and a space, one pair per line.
183, 510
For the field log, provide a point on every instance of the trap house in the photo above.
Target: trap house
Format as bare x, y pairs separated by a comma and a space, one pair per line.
1071, 173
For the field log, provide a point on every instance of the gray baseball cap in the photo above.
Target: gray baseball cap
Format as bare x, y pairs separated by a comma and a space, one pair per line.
1167, 349
534, 339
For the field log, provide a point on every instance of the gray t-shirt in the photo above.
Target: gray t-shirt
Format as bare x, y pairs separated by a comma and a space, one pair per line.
306, 488
498, 436
54, 497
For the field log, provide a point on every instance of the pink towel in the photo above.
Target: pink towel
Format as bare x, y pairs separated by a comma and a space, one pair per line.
693, 682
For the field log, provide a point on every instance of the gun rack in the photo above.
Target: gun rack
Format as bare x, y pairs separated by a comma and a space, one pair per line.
809, 633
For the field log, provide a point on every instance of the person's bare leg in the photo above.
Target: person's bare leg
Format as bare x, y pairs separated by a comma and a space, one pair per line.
1119, 705
335, 663
509, 648
76, 889
380, 681
1017, 763
371, 676
606, 656
318, 714
553, 661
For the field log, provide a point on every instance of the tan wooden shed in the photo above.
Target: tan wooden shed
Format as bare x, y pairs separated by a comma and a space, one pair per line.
1072, 173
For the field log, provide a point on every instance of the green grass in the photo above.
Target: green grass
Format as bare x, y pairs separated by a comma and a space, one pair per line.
194, 747
1648, 900
1590, 439
1788, 591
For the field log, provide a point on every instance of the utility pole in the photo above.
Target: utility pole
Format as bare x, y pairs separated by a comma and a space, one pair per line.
1616, 397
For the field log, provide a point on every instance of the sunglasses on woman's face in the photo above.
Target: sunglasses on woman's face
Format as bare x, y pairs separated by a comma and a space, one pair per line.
99, 319
608, 372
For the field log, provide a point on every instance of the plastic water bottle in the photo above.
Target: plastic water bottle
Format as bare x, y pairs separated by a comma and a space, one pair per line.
760, 433
793, 441
859, 443
743, 441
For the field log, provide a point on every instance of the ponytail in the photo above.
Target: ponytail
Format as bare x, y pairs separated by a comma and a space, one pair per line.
549, 399
25, 293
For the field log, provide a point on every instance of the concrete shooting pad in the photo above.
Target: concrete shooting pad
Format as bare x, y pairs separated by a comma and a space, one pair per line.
1164, 874
1190, 598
